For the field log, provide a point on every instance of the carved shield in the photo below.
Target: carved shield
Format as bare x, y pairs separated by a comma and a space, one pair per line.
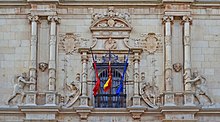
151, 44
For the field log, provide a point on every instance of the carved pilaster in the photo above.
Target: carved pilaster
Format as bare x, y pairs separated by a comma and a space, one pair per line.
51, 95
84, 97
31, 94
188, 96
169, 95
136, 75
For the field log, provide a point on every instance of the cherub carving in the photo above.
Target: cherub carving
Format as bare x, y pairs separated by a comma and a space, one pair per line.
22, 80
200, 87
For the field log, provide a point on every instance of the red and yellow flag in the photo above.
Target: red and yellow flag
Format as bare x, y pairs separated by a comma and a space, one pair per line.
108, 83
97, 85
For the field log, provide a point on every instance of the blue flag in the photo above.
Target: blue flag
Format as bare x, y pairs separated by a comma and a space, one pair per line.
120, 88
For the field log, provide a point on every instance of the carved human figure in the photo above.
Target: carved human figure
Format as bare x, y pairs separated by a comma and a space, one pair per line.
72, 89
199, 82
73, 92
19, 87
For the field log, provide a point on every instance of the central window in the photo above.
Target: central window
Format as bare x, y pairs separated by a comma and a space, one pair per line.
109, 99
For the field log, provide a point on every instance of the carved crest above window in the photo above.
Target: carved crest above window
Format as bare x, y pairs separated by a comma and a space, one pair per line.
111, 24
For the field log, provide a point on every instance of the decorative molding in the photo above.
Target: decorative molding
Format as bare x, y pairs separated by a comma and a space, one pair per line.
187, 19
167, 18
53, 19
33, 18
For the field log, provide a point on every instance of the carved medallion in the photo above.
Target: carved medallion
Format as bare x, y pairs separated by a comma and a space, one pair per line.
70, 43
111, 22
110, 44
150, 43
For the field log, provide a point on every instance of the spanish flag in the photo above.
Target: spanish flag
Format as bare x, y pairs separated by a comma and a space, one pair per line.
108, 83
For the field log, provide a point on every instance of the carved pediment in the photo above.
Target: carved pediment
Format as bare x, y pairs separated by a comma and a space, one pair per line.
110, 23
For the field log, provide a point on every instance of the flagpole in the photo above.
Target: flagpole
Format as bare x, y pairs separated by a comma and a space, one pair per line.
120, 88
108, 83
97, 84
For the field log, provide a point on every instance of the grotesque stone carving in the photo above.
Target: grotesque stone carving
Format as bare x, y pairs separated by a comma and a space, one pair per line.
110, 44
73, 92
70, 43
150, 42
43, 66
19, 85
200, 87
177, 67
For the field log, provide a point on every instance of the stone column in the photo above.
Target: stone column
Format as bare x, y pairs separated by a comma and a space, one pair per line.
84, 110
84, 97
136, 109
31, 94
136, 97
188, 96
169, 95
51, 94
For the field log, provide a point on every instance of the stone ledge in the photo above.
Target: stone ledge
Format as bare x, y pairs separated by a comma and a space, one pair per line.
191, 120
42, 0
179, 1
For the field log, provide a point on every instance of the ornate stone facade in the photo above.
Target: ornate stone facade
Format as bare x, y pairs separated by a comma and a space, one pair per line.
173, 50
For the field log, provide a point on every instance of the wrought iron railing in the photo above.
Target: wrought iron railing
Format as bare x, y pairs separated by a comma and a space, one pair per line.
109, 99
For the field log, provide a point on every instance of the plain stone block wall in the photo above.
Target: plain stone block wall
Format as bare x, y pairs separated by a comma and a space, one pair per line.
14, 50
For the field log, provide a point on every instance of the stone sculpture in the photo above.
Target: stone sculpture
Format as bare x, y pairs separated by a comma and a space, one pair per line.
73, 92
150, 94
200, 88
19, 87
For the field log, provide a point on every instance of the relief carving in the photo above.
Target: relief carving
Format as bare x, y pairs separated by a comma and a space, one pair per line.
177, 67
20, 83
111, 14
200, 88
150, 91
70, 43
73, 92
150, 43
43, 66
150, 94
110, 44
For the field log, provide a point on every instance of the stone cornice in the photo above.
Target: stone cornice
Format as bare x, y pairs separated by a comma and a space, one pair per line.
109, 2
